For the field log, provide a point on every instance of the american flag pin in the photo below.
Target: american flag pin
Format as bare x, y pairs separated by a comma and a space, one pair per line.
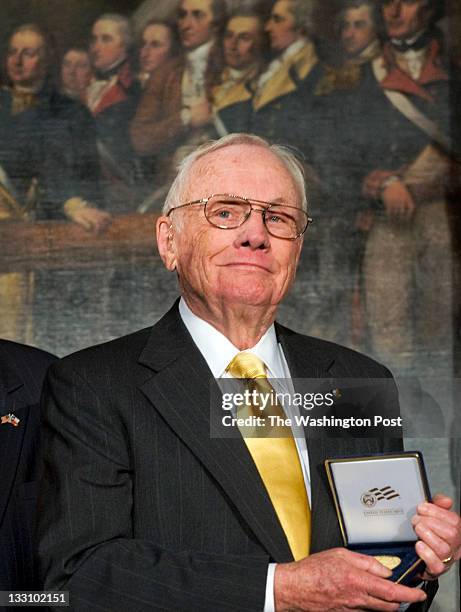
11, 419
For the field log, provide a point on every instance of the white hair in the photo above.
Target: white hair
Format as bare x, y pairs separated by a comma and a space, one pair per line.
178, 189
124, 26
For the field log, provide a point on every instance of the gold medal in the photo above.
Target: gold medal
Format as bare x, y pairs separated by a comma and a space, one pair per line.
388, 561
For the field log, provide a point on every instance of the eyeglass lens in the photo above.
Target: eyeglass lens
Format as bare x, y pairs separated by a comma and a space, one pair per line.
229, 212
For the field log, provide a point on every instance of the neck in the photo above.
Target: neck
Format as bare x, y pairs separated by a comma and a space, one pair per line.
29, 88
242, 325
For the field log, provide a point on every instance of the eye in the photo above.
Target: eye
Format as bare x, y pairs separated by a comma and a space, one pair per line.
277, 218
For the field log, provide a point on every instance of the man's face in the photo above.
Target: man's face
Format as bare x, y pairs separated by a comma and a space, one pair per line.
76, 71
281, 26
195, 23
405, 18
357, 30
242, 41
238, 266
25, 63
156, 46
107, 45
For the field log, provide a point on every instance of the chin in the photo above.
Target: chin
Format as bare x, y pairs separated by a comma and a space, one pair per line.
252, 294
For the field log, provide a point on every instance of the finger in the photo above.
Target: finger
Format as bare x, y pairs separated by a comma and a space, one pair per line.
441, 547
435, 511
434, 565
392, 592
370, 564
443, 501
372, 603
448, 531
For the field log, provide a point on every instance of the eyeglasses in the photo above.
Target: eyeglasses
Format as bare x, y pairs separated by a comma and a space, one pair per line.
228, 211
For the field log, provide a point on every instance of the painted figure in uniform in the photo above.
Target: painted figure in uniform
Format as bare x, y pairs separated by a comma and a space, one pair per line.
243, 45
158, 43
358, 21
292, 73
112, 98
407, 101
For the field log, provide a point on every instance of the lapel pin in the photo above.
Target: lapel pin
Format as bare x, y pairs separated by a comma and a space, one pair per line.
11, 419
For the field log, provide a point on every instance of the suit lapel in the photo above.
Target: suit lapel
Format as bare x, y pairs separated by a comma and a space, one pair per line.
11, 438
181, 391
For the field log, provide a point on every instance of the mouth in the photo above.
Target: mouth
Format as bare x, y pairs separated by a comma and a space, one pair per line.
247, 266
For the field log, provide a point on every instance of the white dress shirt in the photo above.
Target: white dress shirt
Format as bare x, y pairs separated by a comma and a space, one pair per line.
218, 352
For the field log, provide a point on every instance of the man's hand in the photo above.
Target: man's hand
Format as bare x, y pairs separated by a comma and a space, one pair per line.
200, 114
398, 201
371, 187
339, 580
92, 219
439, 531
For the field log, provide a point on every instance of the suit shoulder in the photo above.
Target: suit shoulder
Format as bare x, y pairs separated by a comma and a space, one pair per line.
26, 365
343, 359
15, 353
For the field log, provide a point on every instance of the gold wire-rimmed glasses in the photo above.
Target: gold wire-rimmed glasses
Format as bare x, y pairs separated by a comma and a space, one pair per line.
228, 211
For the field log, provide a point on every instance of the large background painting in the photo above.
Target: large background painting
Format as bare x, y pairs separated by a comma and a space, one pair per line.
101, 99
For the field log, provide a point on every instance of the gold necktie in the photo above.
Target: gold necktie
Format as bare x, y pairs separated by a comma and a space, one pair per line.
277, 461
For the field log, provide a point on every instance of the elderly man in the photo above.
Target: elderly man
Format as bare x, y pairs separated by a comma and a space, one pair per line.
243, 45
174, 113
141, 507
112, 98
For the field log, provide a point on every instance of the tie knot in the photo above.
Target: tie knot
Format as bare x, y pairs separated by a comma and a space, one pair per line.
247, 365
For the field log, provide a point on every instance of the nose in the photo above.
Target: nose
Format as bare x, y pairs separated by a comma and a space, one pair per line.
253, 233
268, 26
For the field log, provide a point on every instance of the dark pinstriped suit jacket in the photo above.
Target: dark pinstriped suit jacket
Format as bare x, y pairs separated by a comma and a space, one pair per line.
140, 509
22, 369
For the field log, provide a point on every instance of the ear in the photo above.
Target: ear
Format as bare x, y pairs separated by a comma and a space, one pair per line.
165, 242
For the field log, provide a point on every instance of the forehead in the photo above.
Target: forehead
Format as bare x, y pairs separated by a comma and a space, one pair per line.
27, 38
283, 7
156, 31
107, 26
242, 169
196, 5
76, 55
356, 13
241, 25
416, 4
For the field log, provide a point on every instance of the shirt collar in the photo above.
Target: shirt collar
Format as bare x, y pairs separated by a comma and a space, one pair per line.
219, 351
294, 48
200, 54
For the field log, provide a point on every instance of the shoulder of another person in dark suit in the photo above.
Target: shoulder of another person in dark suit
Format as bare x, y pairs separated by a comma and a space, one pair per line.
27, 362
